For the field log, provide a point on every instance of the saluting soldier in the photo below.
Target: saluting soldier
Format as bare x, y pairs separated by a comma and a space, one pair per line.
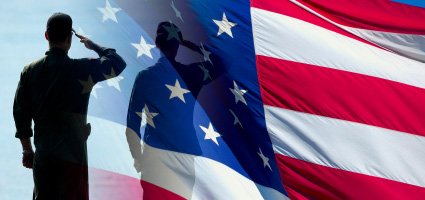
54, 92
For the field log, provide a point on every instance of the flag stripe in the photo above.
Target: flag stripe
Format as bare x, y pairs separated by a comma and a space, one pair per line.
183, 175
196, 177
105, 184
151, 191
304, 180
343, 114
165, 169
284, 37
292, 10
378, 15
342, 95
400, 43
347, 145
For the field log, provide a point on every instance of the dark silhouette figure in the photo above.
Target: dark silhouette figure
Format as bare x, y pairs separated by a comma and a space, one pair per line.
54, 92
167, 92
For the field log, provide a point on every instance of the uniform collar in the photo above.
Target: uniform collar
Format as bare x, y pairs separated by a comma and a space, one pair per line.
56, 51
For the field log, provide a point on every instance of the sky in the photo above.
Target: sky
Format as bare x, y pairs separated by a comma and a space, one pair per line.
418, 3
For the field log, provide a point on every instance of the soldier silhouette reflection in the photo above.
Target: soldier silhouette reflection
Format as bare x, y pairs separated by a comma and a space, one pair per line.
167, 93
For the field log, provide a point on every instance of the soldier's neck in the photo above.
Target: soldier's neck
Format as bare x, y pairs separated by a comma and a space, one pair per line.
60, 46
169, 56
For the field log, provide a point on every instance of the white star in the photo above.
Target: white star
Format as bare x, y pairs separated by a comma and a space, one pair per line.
177, 91
205, 53
210, 133
109, 12
224, 26
238, 93
265, 160
143, 48
206, 72
236, 118
178, 13
93, 92
81, 32
113, 79
173, 32
147, 115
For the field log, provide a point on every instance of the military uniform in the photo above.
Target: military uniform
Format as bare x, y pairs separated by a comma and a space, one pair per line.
54, 92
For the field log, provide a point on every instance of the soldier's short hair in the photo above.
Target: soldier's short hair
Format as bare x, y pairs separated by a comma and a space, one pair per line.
58, 28
163, 40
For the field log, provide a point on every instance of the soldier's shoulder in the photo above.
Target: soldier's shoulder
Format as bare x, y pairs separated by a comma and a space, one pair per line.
148, 70
34, 64
143, 72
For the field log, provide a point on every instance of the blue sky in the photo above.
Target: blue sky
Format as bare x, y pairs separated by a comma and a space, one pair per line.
419, 3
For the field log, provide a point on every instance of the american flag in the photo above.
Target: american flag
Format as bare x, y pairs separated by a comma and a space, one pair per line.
221, 149
320, 99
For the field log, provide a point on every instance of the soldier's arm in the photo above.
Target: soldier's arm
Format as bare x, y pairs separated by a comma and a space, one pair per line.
134, 120
22, 110
212, 66
108, 65
28, 153
22, 116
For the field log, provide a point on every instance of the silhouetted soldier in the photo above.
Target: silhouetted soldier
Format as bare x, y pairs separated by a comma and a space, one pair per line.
54, 91
167, 92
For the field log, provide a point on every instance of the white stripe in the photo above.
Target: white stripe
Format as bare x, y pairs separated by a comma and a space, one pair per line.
287, 38
217, 181
347, 145
107, 145
192, 177
270, 193
169, 170
408, 45
195, 177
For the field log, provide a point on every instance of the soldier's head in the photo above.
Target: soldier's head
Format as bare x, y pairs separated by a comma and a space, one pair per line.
59, 30
168, 38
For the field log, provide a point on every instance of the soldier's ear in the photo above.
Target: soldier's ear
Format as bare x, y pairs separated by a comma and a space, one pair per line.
69, 38
46, 36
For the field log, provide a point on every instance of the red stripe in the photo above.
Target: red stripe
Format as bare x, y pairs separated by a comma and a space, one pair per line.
110, 185
342, 95
154, 192
304, 180
378, 15
287, 8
